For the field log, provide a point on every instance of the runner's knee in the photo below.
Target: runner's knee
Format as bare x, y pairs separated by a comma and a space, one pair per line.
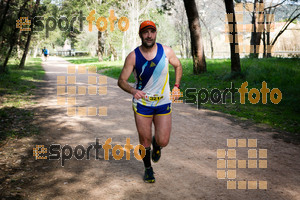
145, 141
162, 142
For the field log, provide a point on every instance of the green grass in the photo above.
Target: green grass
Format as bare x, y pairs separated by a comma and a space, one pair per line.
281, 73
16, 91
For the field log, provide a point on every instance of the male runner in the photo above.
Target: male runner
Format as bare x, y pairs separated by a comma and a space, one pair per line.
45, 53
151, 94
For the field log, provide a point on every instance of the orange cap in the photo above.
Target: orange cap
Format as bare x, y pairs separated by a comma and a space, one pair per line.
147, 24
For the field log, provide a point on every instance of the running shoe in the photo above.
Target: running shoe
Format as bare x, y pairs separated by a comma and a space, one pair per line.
156, 152
149, 177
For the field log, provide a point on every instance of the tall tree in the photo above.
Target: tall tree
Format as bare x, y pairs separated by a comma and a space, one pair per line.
235, 56
258, 23
101, 43
199, 63
22, 63
210, 37
13, 38
3, 14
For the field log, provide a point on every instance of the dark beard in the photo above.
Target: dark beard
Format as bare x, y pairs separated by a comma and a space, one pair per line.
144, 43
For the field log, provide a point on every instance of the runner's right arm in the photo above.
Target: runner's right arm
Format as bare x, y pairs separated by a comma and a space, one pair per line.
126, 71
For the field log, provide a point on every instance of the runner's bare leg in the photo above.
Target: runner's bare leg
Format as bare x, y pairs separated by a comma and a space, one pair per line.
163, 126
144, 128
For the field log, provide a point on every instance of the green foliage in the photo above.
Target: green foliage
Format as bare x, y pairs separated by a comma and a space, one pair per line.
16, 90
278, 73
17, 85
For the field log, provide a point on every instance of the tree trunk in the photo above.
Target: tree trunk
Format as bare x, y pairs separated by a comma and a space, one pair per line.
22, 63
36, 50
256, 33
210, 38
187, 49
13, 39
100, 50
181, 43
18, 44
261, 22
4, 14
113, 52
269, 55
196, 40
264, 44
266, 21
211, 45
253, 33
235, 57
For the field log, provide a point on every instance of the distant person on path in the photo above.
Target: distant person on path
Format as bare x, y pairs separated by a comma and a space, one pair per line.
45, 52
151, 93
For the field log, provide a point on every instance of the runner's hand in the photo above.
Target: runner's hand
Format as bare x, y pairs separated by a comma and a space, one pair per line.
138, 94
175, 93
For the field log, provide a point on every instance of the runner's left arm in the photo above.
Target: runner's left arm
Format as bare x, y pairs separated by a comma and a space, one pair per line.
175, 62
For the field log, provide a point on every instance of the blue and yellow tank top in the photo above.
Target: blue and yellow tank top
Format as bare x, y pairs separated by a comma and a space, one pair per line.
152, 77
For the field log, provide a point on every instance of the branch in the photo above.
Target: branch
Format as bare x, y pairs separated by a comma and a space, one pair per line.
201, 19
275, 5
220, 6
285, 26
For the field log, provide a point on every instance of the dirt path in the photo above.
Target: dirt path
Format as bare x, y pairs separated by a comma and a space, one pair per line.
187, 169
